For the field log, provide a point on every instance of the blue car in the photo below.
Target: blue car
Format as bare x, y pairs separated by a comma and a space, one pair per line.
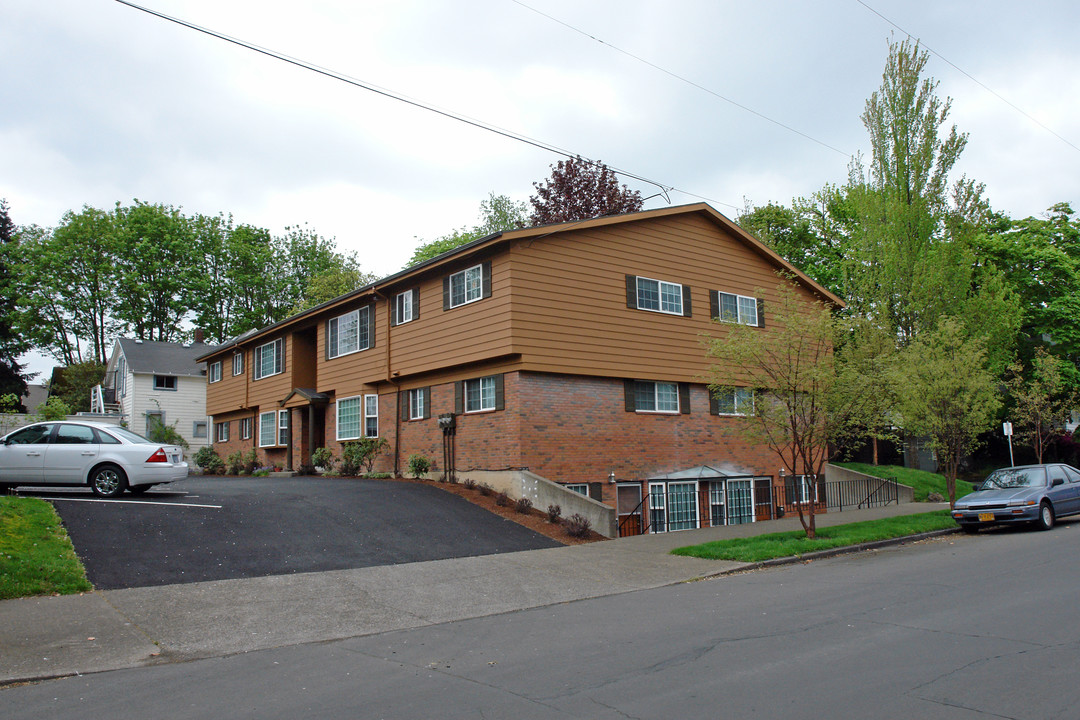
1037, 494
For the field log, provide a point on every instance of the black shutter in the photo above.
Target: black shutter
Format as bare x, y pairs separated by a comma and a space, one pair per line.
714, 403
629, 387
370, 320
427, 402
760, 312
485, 271
394, 319
416, 303
596, 491
684, 398
326, 339
631, 291
500, 396
459, 397
714, 304
446, 292
403, 401
686, 300
279, 366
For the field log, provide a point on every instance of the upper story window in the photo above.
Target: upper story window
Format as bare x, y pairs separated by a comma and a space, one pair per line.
269, 359
121, 377
166, 382
406, 306
469, 285
644, 293
238, 364
348, 333
213, 374
728, 307
657, 397
736, 401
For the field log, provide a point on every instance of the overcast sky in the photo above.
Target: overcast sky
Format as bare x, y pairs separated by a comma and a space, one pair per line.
105, 103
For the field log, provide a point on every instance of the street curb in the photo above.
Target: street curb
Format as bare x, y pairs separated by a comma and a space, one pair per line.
833, 552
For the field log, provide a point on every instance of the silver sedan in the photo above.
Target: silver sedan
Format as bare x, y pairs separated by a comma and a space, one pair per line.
1037, 494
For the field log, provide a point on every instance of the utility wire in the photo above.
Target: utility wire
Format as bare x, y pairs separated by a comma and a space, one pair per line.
684, 79
969, 76
664, 189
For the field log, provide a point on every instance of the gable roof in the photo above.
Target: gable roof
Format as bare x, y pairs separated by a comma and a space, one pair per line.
538, 232
163, 358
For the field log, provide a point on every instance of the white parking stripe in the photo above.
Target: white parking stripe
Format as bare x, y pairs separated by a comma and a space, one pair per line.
131, 502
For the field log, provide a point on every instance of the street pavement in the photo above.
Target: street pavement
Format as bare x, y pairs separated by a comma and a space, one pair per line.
48, 637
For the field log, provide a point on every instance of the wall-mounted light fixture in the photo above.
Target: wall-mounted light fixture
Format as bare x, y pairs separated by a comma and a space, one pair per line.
611, 477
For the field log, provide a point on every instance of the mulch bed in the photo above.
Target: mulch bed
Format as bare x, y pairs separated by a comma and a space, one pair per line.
534, 520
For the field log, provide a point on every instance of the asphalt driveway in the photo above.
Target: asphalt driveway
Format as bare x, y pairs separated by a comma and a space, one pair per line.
214, 528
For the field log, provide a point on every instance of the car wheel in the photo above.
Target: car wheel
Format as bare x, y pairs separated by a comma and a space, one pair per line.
108, 481
1046, 516
6, 488
138, 489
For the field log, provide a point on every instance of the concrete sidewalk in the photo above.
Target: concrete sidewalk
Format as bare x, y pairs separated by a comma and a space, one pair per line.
44, 637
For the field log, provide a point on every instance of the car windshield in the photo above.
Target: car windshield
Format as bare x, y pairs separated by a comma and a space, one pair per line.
1015, 478
128, 435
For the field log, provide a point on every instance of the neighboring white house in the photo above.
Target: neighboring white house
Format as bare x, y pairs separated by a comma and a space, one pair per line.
145, 379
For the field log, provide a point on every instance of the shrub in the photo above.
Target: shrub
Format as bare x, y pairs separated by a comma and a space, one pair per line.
54, 409
523, 505
234, 463
358, 456
306, 469
554, 512
503, 500
577, 525
323, 457
468, 484
419, 466
377, 476
159, 432
485, 489
251, 461
209, 461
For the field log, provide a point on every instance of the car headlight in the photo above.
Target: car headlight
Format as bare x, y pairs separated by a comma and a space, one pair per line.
1021, 503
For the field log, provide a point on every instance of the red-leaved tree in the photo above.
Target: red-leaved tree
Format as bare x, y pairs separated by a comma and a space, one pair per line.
580, 189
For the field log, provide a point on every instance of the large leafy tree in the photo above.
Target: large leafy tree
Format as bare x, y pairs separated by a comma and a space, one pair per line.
580, 189
12, 344
497, 214
1042, 400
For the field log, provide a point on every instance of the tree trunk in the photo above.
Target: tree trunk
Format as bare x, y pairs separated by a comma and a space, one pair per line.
875, 451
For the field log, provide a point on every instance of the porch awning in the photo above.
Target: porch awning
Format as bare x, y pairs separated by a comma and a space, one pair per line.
702, 472
304, 396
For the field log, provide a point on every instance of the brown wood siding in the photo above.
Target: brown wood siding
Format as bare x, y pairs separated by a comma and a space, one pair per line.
347, 375
570, 311
230, 393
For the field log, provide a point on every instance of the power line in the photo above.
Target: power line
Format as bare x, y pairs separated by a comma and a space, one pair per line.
969, 76
684, 79
664, 188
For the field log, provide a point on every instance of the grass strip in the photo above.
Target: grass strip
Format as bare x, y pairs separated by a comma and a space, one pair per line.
795, 543
36, 556
921, 481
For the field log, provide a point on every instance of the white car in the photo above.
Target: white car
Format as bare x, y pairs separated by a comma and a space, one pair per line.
108, 458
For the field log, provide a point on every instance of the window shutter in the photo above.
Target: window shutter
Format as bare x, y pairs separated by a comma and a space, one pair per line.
446, 292
686, 300
684, 398
485, 271
394, 319
459, 397
714, 403
403, 405
279, 365
427, 402
631, 292
369, 320
596, 491
760, 313
629, 387
416, 303
500, 395
714, 304
326, 339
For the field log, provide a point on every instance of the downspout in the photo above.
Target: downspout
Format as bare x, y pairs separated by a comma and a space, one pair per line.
393, 381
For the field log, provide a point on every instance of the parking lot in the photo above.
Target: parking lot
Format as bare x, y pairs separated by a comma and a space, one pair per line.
214, 528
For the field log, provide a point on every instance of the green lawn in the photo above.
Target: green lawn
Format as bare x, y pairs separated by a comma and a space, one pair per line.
923, 482
36, 556
794, 543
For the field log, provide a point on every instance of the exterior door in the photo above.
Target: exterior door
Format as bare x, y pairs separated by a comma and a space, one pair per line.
22, 457
628, 500
682, 507
68, 458
740, 501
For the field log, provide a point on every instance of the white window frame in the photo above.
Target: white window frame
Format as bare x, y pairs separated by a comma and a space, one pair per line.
740, 397
221, 431
213, 373
579, 488
164, 388
238, 364
279, 360
245, 428
335, 347
121, 377
283, 427
662, 289
416, 404
347, 402
656, 398
745, 310
479, 384
196, 426
403, 307
371, 416
471, 282
267, 427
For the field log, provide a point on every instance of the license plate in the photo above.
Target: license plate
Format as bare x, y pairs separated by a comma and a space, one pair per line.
176, 459
986, 517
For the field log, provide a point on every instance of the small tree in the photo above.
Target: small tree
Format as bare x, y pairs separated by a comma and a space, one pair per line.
1041, 403
804, 400
54, 409
948, 394
581, 189
358, 456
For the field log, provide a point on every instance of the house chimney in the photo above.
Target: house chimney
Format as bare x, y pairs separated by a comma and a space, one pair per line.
198, 336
